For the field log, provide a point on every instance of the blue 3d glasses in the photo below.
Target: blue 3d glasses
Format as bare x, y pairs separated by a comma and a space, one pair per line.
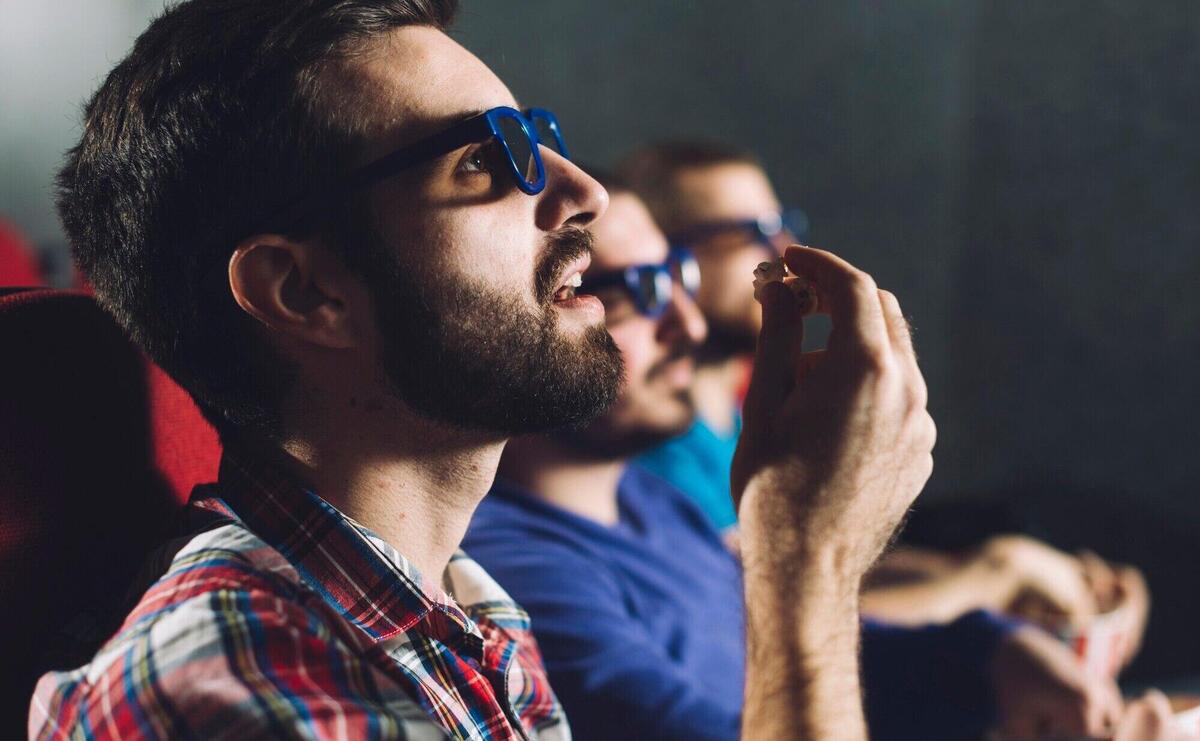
517, 134
650, 286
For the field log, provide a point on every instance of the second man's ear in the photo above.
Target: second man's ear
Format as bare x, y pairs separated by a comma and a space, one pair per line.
298, 289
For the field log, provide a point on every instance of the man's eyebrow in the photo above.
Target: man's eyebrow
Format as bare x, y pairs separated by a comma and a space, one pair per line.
432, 127
469, 113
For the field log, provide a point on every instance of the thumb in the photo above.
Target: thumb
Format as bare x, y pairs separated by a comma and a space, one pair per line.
775, 358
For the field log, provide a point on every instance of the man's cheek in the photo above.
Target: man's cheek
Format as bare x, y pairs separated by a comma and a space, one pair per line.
486, 250
635, 351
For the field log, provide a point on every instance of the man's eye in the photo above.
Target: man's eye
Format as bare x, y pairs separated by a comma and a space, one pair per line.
474, 162
482, 159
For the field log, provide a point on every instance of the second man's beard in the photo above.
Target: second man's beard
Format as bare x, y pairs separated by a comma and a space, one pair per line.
608, 439
725, 342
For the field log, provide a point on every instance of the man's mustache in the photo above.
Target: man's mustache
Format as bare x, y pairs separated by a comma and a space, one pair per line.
678, 352
563, 247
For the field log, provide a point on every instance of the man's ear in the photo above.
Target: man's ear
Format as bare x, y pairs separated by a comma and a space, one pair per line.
297, 288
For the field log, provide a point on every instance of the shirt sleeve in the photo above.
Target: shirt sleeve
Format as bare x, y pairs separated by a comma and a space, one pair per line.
933, 681
227, 665
613, 679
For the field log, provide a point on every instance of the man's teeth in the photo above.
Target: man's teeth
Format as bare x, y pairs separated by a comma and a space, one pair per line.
567, 290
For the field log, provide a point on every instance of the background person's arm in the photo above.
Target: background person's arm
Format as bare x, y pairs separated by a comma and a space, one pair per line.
835, 446
1005, 568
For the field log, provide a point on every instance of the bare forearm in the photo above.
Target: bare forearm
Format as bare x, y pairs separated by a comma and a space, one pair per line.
802, 677
942, 598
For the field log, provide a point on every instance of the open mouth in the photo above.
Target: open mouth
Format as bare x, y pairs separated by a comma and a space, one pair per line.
566, 291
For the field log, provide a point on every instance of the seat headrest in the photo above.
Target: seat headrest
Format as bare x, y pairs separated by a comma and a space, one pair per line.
18, 261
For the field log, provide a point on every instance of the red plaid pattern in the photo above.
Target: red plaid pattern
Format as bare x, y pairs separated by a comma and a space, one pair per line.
286, 619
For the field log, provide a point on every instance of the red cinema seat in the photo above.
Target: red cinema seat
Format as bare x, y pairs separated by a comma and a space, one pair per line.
97, 448
185, 446
18, 262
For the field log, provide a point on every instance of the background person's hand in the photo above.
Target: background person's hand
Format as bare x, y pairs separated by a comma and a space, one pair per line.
1124, 587
1042, 691
1135, 592
1045, 582
836, 444
1149, 718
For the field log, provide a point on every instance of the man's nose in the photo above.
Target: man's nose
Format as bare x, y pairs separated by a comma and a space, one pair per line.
572, 197
782, 239
682, 319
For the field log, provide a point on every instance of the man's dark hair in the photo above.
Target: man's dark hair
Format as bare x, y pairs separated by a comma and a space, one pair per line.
652, 170
215, 120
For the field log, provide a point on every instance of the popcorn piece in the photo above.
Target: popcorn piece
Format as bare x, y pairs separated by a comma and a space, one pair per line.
768, 272
776, 270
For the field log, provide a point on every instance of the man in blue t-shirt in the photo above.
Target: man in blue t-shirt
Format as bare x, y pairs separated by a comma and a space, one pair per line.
636, 603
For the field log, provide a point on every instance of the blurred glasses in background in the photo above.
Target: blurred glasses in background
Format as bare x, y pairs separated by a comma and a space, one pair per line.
650, 287
773, 232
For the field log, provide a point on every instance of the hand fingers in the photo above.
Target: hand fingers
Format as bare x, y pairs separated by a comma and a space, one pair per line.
1064, 595
1091, 712
1131, 588
898, 328
1072, 597
774, 361
1146, 719
1059, 579
1133, 592
900, 334
848, 295
1104, 710
808, 298
1100, 575
807, 361
805, 364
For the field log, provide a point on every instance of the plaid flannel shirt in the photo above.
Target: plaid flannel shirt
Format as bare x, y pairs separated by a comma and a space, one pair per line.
286, 619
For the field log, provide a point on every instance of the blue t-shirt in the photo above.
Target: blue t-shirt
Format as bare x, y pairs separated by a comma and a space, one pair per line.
699, 462
641, 624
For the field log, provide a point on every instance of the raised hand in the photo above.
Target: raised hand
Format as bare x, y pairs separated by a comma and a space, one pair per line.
835, 446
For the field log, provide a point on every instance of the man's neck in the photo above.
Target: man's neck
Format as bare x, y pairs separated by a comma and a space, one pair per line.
715, 390
565, 477
413, 482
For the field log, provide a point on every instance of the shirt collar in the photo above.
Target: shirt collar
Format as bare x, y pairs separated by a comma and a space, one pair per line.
362, 578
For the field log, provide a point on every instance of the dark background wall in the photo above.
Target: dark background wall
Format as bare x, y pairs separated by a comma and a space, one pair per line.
1023, 174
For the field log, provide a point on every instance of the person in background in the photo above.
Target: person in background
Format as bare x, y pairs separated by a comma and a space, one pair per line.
636, 602
718, 201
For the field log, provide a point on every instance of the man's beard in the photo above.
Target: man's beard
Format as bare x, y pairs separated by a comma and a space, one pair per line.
725, 341
463, 353
606, 441
612, 438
